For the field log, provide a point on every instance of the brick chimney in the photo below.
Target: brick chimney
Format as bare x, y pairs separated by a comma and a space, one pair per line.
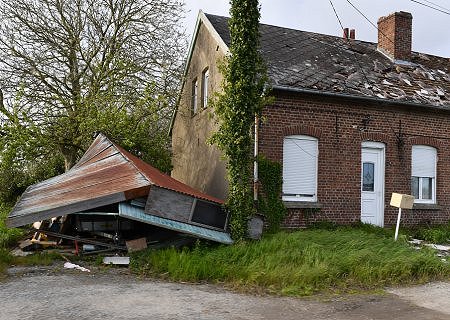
346, 34
395, 35
352, 34
349, 33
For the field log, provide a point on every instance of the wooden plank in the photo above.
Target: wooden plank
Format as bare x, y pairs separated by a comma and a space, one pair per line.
81, 240
136, 245
141, 192
169, 204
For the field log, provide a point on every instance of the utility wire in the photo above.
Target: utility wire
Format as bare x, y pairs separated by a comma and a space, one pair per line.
431, 7
373, 24
349, 42
436, 5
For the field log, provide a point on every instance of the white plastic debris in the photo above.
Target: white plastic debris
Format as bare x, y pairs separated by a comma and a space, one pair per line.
117, 260
438, 247
415, 241
69, 265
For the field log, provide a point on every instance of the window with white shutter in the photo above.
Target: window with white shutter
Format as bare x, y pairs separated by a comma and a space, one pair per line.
300, 155
423, 174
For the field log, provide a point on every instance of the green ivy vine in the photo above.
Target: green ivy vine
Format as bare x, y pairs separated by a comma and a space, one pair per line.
270, 202
242, 97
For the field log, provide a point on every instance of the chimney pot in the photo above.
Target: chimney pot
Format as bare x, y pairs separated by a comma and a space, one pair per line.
395, 35
352, 34
346, 34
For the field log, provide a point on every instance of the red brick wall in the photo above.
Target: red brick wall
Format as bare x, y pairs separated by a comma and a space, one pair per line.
395, 35
339, 126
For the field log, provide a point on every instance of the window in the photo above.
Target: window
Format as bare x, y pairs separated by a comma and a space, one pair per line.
423, 174
300, 155
368, 176
194, 96
205, 81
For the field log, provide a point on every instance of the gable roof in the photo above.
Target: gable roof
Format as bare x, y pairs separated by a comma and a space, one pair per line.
105, 174
321, 63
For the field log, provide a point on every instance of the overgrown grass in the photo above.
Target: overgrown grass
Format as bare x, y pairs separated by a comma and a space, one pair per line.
37, 259
299, 263
8, 236
435, 234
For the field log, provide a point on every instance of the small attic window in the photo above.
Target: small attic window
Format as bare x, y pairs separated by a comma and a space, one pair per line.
194, 98
205, 87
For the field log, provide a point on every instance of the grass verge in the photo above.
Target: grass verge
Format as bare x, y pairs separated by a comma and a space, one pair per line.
299, 263
37, 259
7, 236
434, 234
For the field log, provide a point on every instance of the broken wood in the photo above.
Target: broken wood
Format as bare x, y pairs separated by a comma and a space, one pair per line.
77, 238
136, 245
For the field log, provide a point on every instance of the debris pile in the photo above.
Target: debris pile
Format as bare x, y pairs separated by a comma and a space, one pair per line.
113, 201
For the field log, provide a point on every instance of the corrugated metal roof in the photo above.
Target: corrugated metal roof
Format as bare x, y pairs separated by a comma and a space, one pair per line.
164, 181
105, 174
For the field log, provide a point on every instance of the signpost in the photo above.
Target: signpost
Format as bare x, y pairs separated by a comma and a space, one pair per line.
401, 201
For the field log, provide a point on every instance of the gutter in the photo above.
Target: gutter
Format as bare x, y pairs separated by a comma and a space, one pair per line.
360, 98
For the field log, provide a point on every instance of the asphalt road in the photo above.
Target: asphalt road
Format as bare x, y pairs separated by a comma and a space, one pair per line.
69, 294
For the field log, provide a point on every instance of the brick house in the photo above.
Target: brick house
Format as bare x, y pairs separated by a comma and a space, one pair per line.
351, 122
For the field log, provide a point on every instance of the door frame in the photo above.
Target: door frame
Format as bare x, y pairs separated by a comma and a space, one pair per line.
381, 147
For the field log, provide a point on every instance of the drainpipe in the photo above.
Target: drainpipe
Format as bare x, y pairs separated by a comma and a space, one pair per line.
255, 162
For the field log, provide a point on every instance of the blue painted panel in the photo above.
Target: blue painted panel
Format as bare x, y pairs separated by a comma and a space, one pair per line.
135, 213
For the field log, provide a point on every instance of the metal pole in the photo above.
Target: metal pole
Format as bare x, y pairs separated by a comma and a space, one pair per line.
255, 163
398, 223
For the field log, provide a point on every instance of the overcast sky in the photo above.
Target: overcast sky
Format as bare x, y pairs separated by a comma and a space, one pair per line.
431, 29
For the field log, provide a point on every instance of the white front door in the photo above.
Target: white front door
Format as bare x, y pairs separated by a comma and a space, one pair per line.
372, 183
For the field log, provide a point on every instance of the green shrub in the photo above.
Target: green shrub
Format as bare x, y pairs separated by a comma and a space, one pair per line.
435, 234
8, 236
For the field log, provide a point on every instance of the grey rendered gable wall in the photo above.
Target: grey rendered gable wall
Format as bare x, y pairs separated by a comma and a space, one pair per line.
195, 162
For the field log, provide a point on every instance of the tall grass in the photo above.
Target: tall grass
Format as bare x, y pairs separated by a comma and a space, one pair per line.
8, 236
299, 263
435, 234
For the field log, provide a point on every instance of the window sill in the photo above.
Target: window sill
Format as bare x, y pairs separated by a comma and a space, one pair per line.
302, 205
426, 206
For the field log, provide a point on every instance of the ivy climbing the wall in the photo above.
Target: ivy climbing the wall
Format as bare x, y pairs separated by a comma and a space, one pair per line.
270, 202
242, 97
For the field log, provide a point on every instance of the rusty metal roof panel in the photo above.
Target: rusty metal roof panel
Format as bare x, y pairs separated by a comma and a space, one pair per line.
162, 180
105, 174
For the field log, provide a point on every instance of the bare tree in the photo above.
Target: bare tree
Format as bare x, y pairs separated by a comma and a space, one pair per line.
69, 67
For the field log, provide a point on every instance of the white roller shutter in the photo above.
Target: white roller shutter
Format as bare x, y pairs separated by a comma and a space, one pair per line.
300, 168
423, 162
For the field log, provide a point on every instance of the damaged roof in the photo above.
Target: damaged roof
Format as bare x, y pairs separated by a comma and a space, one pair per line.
305, 60
105, 174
